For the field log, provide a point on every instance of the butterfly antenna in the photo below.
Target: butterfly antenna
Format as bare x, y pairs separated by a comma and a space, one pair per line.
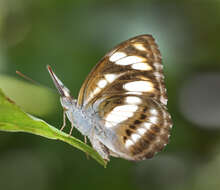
63, 91
27, 78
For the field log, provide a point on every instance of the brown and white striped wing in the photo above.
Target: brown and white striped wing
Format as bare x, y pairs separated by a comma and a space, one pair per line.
141, 126
133, 67
126, 89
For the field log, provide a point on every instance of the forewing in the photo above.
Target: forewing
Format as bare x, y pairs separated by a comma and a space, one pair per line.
133, 67
140, 124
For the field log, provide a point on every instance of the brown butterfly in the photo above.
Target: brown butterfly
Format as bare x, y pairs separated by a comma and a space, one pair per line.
121, 106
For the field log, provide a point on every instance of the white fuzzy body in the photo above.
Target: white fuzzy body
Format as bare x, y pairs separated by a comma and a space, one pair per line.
89, 125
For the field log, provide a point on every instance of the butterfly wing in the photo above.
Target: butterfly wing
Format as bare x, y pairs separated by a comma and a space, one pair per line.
126, 91
139, 125
133, 67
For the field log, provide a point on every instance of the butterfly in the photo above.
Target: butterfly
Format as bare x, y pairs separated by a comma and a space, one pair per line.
121, 106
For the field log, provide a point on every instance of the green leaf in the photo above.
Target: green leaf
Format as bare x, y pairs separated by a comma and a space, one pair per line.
13, 119
44, 103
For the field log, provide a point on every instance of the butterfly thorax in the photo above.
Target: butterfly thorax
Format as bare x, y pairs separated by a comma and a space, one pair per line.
87, 123
77, 116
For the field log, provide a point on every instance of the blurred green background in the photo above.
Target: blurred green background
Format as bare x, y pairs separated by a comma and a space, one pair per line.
72, 36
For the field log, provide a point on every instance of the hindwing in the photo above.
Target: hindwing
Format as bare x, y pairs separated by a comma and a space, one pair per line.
140, 124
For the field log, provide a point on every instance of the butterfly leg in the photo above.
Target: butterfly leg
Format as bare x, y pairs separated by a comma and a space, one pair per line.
64, 120
71, 130
85, 141
72, 124
100, 148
